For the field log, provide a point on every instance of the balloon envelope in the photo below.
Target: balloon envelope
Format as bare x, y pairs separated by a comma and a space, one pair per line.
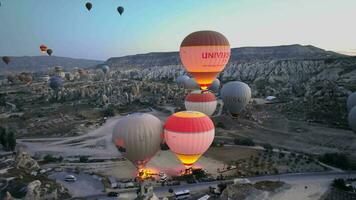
181, 80
43, 48
191, 84
55, 82
351, 101
88, 5
215, 86
352, 119
6, 59
202, 102
138, 137
104, 68
189, 134
204, 54
235, 95
25, 77
120, 9
49, 52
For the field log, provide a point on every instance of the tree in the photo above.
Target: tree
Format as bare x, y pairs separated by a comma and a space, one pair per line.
11, 141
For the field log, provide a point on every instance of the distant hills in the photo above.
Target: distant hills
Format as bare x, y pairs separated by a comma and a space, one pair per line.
43, 63
243, 54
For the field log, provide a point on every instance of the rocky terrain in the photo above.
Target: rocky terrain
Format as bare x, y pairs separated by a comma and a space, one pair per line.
314, 83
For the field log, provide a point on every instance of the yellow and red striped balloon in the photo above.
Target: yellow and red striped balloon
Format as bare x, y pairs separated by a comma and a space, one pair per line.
204, 55
189, 134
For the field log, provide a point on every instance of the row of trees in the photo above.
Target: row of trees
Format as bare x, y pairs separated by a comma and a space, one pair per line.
7, 139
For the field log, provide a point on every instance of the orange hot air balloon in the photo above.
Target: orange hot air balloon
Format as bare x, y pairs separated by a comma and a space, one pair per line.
43, 48
189, 134
204, 55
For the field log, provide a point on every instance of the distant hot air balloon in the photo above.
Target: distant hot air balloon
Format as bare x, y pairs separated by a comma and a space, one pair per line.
120, 9
181, 80
138, 137
215, 86
351, 101
6, 59
352, 119
189, 134
191, 84
55, 82
104, 68
204, 102
235, 95
49, 52
43, 48
11, 78
25, 77
204, 55
88, 5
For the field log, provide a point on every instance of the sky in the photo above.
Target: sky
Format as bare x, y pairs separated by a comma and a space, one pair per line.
160, 25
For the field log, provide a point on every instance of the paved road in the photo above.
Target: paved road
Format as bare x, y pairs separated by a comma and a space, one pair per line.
322, 177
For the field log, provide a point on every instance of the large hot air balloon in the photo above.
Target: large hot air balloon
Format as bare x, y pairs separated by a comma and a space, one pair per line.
55, 82
6, 59
191, 84
49, 52
235, 95
351, 101
120, 9
181, 80
189, 134
25, 77
215, 86
43, 48
204, 55
204, 102
138, 137
88, 5
352, 119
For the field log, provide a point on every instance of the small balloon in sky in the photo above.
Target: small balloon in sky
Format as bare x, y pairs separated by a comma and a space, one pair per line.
6, 59
120, 9
88, 5
49, 52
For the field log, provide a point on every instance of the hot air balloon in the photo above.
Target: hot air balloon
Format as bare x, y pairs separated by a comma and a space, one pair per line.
6, 59
204, 55
120, 9
191, 84
55, 82
11, 78
204, 102
215, 86
181, 80
104, 68
138, 137
25, 77
235, 95
43, 48
49, 52
189, 134
352, 119
351, 101
88, 5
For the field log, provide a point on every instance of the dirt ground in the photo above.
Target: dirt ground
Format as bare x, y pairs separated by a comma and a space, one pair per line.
229, 153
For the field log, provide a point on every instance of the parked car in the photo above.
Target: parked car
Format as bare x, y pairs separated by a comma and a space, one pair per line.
113, 194
70, 178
